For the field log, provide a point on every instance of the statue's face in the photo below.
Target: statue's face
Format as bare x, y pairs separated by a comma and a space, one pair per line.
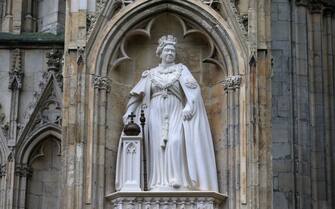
168, 54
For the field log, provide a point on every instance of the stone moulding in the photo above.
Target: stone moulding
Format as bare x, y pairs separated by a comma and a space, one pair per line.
165, 200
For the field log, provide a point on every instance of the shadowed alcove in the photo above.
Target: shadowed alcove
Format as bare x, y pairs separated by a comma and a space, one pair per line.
138, 55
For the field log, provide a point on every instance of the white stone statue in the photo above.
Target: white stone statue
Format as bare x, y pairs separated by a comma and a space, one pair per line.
179, 146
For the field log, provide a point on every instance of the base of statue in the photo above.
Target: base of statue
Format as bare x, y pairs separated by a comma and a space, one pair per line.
166, 200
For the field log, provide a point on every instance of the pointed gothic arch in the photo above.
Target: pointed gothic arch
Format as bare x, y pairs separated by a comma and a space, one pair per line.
42, 124
111, 30
23, 160
105, 44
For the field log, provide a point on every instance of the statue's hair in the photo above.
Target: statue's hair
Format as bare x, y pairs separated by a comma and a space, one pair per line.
163, 41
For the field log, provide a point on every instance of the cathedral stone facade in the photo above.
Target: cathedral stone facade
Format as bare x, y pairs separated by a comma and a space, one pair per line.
266, 71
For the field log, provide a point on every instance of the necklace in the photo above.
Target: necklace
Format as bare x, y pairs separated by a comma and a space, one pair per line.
164, 78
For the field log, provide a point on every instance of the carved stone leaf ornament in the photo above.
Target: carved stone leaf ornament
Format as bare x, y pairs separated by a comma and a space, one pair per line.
23, 170
54, 63
316, 6
16, 74
3, 124
101, 83
232, 82
166, 201
2, 170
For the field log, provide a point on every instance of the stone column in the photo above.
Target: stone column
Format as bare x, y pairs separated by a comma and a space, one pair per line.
22, 173
331, 57
10, 182
299, 112
98, 173
76, 181
328, 86
231, 86
28, 18
2, 186
15, 85
8, 20
258, 106
317, 128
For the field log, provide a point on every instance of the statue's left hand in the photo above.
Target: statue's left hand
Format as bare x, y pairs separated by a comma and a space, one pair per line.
188, 112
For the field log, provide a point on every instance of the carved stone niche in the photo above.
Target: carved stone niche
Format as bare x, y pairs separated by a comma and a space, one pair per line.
166, 200
136, 53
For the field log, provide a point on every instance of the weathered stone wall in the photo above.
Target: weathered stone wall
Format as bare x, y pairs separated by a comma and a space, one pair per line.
51, 16
32, 16
302, 104
30, 109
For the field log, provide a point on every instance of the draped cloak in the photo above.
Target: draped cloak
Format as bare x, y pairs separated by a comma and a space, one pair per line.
201, 165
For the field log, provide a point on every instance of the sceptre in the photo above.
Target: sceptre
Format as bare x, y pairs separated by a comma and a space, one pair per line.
145, 183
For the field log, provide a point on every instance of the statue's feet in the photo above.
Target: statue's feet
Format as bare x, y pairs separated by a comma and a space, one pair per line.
175, 184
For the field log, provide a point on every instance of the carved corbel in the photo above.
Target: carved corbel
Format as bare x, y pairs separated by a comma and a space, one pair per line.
54, 60
101, 83
23, 170
3, 124
329, 9
232, 82
315, 7
2, 170
302, 2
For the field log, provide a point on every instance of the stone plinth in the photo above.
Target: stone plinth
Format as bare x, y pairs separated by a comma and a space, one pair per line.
166, 200
130, 163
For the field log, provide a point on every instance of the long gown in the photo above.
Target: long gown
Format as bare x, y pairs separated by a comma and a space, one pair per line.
166, 134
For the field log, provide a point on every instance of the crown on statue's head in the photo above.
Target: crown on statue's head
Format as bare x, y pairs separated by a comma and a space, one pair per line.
168, 39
